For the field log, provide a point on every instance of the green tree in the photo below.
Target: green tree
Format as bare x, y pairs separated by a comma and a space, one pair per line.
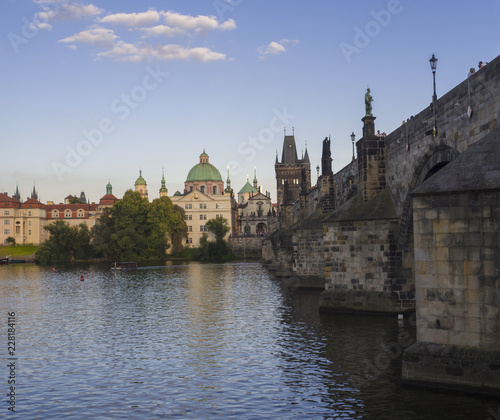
11, 240
75, 200
219, 227
218, 250
134, 229
65, 244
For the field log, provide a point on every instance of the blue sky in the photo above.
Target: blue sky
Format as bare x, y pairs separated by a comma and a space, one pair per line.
96, 91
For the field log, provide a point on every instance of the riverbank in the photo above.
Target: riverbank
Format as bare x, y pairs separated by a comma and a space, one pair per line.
19, 252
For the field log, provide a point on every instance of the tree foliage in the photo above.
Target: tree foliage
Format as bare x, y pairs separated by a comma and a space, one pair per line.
65, 244
135, 229
218, 250
219, 227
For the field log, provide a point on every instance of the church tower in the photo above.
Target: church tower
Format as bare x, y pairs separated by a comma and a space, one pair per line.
293, 175
141, 186
163, 189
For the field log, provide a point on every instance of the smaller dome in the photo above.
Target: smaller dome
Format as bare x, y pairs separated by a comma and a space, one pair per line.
177, 193
140, 180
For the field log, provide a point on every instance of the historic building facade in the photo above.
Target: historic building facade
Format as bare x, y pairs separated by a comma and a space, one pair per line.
204, 198
25, 221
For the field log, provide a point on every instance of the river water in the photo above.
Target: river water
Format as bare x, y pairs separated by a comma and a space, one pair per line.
202, 341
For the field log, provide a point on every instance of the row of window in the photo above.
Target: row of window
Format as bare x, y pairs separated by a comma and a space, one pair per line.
202, 216
7, 222
203, 228
68, 214
202, 189
203, 206
7, 213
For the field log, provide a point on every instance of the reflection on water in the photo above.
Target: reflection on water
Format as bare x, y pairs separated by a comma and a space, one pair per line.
204, 341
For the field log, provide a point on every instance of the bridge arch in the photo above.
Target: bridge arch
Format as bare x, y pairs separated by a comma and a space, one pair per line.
431, 162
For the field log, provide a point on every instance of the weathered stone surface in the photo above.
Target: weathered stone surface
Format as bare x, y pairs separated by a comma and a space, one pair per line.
452, 366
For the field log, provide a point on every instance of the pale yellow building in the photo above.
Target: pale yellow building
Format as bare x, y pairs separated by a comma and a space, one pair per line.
204, 198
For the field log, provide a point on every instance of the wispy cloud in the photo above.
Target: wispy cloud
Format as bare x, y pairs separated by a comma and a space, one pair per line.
132, 19
275, 47
57, 11
96, 36
152, 23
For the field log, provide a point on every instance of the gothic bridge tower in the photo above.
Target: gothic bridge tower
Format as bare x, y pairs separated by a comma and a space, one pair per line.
292, 171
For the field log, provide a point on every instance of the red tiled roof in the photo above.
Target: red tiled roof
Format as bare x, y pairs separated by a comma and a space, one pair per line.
108, 197
32, 203
5, 197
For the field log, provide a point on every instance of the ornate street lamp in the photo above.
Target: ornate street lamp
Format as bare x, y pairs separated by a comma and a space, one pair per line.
433, 61
353, 137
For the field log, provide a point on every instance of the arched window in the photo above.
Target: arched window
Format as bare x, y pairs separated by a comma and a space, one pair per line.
67, 213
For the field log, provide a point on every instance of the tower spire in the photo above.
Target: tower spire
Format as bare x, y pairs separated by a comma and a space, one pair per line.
255, 182
163, 189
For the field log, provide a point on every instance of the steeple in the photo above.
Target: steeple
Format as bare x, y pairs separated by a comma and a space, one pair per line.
306, 156
228, 189
141, 186
109, 188
34, 193
17, 195
163, 189
255, 182
83, 197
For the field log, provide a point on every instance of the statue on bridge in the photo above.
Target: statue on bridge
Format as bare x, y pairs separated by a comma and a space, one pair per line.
368, 103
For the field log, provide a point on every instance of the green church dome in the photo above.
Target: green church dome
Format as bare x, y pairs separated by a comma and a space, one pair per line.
140, 180
204, 171
247, 188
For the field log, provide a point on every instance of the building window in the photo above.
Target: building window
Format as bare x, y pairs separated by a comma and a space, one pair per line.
55, 214
191, 188
203, 228
202, 189
219, 216
29, 213
29, 232
214, 190
6, 222
81, 213
203, 217
188, 217
190, 228
203, 206
29, 222
6, 212
67, 213
188, 206
218, 206
6, 231
189, 240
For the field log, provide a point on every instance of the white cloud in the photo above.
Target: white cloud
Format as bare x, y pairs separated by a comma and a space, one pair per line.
275, 47
132, 19
122, 51
97, 36
178, 52
54, 11
160, 30
199, 24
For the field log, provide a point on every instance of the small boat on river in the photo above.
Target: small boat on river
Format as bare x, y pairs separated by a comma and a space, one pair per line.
126, 265
4, 261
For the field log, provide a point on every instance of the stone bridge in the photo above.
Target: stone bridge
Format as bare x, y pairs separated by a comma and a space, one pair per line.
355, 228
413, 226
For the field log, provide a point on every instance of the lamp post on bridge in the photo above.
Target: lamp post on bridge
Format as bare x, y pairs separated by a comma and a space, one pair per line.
353, 137
433, 61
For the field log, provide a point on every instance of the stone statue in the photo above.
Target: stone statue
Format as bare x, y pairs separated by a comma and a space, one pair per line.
368, 103
326, 148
